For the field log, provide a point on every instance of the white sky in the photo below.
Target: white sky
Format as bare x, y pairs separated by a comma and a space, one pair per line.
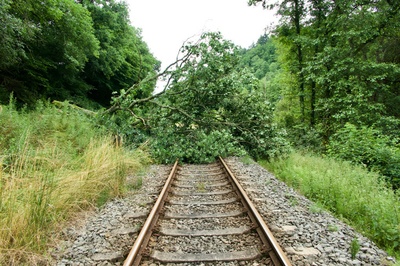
166, 24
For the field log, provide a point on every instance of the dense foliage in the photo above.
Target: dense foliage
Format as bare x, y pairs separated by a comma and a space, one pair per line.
124, 58
216, 101
211, 107
369, 147
260, 57
339, 65
343, 59
70, 50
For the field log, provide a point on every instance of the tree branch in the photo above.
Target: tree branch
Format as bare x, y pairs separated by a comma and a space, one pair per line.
117, 104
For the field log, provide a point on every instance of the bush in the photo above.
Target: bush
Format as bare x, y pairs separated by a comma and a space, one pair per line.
369, 147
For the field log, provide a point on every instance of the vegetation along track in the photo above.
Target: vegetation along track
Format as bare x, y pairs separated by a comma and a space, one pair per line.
204, 216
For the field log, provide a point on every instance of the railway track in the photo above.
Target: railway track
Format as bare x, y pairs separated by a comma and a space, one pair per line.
204, 217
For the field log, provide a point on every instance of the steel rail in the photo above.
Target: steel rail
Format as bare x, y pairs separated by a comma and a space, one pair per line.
143, 237
275, 252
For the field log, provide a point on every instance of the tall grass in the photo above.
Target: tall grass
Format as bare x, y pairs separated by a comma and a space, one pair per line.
350, 192
53, 163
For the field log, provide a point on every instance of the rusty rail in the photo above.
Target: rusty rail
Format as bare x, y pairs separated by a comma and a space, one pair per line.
134, 256
273, 248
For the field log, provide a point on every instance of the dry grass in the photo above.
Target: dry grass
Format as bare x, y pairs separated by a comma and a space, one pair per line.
42, 187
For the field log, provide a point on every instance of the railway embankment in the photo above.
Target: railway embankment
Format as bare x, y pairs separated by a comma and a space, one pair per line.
306, 233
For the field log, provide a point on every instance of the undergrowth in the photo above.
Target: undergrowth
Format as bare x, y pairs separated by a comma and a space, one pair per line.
350, 192
53, 163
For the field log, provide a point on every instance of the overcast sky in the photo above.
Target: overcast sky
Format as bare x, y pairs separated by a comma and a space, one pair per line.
166, 24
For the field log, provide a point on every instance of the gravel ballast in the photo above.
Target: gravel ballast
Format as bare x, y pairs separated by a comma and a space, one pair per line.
309, 235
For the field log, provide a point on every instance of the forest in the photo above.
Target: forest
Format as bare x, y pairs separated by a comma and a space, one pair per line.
322, 86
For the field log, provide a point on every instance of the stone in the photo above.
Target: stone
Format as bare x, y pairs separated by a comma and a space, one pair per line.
112, 256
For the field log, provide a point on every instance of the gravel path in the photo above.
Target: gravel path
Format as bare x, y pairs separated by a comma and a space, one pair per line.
309, 235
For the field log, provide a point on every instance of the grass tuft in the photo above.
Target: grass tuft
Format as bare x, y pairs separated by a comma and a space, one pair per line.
354, 248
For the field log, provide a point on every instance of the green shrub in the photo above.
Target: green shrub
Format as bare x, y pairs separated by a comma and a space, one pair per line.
194, 146
348, 191
369, 147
